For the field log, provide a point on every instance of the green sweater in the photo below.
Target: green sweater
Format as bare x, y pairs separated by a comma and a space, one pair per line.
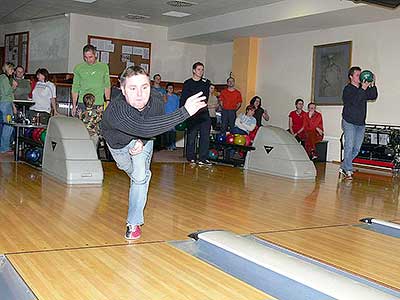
91, 79
23, 89
6, 90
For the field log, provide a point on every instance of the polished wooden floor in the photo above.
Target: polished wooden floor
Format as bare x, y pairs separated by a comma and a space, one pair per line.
67, 242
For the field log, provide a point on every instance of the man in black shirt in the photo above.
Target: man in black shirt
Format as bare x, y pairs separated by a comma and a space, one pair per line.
128, 123
355, 97
199, 122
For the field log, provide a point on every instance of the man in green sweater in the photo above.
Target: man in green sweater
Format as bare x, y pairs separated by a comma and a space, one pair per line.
91, 77
24, 85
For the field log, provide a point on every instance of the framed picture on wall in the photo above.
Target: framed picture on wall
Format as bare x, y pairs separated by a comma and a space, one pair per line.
331, 63
16, 48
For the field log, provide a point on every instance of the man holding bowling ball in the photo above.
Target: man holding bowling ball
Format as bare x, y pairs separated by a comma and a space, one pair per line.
360, 89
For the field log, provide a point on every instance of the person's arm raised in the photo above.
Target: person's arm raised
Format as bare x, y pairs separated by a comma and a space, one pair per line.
147, 127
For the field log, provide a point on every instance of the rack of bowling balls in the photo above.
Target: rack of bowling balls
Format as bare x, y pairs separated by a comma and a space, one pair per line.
229, 148
33, 141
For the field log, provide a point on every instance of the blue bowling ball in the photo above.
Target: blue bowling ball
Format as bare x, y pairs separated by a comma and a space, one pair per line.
28, 132
221, 138
32, 155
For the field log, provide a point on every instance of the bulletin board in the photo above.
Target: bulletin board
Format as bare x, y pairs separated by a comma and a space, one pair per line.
119, 54
16, 48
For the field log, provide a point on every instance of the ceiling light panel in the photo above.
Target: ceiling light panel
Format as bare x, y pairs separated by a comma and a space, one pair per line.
136, 17
85, 1
176, 14
181, 3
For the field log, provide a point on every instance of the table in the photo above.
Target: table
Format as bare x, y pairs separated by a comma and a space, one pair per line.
24, 104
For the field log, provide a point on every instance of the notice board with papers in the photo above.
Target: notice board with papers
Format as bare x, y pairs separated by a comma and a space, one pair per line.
119, 53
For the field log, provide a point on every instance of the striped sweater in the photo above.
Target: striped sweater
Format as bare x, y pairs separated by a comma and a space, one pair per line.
122, 122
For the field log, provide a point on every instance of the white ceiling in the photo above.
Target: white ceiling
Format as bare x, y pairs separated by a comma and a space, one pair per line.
212, 21
20, 10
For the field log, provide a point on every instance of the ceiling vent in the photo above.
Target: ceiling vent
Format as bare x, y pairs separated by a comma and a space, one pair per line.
136, 17
181, 3
386, 3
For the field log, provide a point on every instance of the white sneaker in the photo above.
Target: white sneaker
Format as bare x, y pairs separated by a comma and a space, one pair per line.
205, 162
349, 175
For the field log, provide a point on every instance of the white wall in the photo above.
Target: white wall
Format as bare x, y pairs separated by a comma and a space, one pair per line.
219, 62
48, 42
285, 72
173, 60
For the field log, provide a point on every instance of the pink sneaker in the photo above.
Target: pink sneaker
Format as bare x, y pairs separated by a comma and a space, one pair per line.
133, 232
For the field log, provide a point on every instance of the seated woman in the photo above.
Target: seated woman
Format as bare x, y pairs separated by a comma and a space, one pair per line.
314, 130
260, 113
44, 96
296, 121
245, 123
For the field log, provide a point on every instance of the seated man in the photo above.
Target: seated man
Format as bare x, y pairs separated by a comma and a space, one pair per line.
314, 130
245, 123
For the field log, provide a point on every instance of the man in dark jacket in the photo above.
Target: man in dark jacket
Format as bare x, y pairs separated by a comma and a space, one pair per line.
128, 123
200, 122
355, 97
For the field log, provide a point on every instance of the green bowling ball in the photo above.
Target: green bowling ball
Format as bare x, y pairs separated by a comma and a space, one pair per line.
181, 126
367, 76
43, 136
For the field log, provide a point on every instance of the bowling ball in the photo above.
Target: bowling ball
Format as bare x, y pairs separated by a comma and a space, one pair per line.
212, 138
230, 138
213, 154
181, 127
32, 155
248, 140
39, 132
221, 138
43, 136
28, 132
239, 140
36, 134
367, 76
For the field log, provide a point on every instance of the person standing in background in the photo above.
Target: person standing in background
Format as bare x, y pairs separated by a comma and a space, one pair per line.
201, 121
24, 85
171, 105
213, 105
90, 77
44, 96
7, 107
159, 94
231, 100
157, 88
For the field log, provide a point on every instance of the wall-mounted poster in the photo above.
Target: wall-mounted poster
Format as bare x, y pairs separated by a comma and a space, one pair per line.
330, 67
16, 48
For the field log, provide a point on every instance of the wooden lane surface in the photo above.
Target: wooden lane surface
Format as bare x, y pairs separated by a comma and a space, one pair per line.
360, 251
136, 272
37, 213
